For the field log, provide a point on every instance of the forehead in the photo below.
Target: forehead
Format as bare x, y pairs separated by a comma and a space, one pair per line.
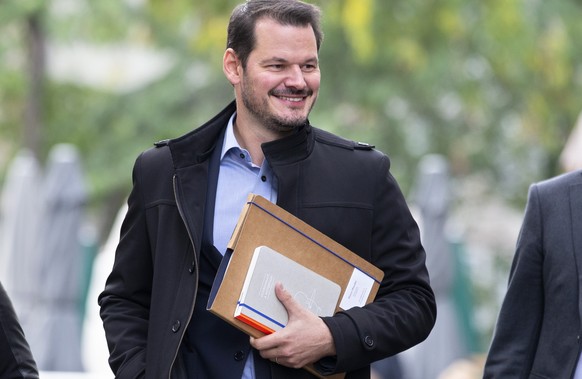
273, 38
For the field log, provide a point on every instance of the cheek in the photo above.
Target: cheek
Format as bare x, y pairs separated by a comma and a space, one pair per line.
266, 83
313, 81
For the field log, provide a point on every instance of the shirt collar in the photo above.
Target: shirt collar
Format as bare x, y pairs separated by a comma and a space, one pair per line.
229, 138
286, 150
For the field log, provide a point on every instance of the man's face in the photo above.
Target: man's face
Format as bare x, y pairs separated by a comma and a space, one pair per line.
280, 83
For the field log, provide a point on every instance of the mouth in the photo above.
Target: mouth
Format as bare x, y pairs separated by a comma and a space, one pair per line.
292, 98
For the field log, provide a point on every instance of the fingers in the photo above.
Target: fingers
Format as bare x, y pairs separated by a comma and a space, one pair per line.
266, 349
267, 345
289, 346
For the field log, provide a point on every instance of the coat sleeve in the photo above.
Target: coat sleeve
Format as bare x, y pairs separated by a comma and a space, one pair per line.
16, 360
404, 311
125, 301
518, 325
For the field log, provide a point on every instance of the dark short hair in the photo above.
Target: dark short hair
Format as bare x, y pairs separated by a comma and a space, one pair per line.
241, 27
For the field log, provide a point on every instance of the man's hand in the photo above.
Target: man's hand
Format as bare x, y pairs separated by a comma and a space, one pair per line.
305, 339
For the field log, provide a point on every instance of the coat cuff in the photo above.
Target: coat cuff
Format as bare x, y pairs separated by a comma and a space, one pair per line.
329, 365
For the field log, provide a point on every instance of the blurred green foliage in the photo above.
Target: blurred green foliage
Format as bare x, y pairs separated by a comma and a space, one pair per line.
493, 85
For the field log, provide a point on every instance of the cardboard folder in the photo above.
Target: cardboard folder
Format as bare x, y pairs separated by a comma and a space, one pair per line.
263, 223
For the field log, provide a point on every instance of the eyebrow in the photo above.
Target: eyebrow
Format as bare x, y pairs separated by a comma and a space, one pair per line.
283, 60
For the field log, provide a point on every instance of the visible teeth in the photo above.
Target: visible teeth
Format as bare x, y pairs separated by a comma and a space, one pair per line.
292, 99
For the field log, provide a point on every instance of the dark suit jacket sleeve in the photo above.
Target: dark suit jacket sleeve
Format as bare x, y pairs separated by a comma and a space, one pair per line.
518, 327
404, 310
125, 300
16, 360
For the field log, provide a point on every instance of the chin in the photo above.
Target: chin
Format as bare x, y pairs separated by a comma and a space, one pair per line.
287, 125
299, 117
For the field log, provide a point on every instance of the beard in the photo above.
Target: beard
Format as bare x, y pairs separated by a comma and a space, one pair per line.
259, 109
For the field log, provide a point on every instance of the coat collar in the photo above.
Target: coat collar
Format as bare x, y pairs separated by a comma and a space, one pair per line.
196, 146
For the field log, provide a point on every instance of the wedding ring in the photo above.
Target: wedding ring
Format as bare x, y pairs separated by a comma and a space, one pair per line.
276, 360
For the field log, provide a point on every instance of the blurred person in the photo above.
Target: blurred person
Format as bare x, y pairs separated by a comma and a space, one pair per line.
16, 360
464, 368
432, 196
387, 368
538, 329
188, 193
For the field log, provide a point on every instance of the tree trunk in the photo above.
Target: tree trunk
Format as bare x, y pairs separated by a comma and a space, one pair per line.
33, 113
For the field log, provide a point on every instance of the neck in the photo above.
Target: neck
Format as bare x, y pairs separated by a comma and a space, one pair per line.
251, 140
250, 135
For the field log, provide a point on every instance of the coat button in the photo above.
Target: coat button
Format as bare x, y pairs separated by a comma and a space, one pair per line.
369, 341
239, 356
192, 267
176, 326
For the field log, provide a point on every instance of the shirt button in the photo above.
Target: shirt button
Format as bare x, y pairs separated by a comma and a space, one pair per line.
264, 178
242, 156
239, 356
176, 326
369, 341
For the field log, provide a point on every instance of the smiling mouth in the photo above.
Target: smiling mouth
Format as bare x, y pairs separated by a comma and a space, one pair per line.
292, 96
292, 99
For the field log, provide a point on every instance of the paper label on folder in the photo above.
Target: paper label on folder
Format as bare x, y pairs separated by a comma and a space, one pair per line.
357, 290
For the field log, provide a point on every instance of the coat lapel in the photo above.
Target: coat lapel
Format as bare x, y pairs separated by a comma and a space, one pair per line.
191, 155
190, 191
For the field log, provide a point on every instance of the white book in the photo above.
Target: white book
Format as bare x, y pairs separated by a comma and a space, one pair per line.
258, 305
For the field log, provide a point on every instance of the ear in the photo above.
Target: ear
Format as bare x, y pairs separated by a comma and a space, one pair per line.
231, 66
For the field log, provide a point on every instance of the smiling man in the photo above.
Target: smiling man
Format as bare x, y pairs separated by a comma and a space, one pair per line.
186, 199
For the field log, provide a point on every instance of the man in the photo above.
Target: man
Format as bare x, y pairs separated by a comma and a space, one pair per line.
189, 191
16, 361
538, 330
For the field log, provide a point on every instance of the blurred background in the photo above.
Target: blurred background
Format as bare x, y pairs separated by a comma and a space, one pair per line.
473, 100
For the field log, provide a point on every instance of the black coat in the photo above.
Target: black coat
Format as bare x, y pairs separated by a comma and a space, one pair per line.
16, 361
340, 187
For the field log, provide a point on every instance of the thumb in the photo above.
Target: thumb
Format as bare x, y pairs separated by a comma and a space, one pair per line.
286, 299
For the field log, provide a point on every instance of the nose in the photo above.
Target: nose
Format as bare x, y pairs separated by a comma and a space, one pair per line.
295, 78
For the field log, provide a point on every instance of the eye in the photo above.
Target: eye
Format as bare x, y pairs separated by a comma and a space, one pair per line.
308, 67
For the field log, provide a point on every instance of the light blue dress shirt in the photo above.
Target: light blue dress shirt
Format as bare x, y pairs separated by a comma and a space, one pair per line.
578, 372
238, 177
